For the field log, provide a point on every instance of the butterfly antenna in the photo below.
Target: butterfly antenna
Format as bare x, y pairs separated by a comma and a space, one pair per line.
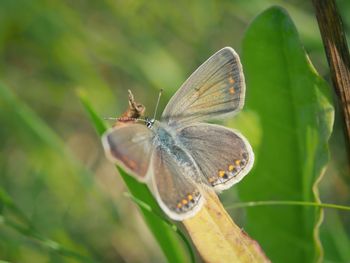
139, 119
155, 111
124, 119
110, 118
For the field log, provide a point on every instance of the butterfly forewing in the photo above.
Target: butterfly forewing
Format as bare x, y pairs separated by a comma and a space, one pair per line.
176, 192
222, 155
217, 87
130, 146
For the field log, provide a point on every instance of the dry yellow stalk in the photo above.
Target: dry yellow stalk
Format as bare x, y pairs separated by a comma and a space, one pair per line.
218, 239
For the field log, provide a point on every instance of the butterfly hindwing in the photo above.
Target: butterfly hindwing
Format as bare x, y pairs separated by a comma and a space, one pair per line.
173, 184
216, 88
130, 146
222, 155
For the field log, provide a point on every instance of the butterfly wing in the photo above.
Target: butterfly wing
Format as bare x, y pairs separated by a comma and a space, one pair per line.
173, 184
216, 88
130, 147
222, 155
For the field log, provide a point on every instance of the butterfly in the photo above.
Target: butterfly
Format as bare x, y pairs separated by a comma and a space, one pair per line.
181, 156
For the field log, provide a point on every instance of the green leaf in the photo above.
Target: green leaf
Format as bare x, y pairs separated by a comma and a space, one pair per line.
292, 104
167, 238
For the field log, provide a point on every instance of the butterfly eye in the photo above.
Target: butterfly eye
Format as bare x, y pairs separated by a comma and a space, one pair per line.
149, 122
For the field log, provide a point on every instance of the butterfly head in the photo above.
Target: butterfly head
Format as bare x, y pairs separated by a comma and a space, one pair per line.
149, 122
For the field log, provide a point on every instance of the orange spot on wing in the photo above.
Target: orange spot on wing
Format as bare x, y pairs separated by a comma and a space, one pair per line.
129, 163
232, 90
231, 80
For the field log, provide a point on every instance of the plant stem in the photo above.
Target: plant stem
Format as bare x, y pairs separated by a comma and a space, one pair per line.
301, 203
333, 36
217, 237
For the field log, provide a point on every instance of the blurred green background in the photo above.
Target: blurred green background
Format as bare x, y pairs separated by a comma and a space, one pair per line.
52, 167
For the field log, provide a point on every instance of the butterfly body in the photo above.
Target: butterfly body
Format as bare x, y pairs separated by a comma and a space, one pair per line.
166, 140
180, 157
163, 135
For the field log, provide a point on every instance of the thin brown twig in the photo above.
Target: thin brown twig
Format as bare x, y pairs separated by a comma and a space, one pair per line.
333, 36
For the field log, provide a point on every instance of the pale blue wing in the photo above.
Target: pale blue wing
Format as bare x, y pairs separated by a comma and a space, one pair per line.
222, 155
130, 146
216, 88
172, 182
